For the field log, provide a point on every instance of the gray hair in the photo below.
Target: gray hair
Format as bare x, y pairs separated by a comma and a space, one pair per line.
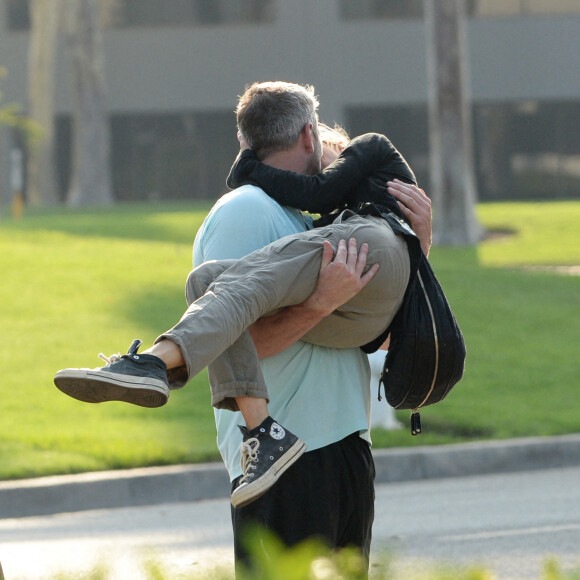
271, 115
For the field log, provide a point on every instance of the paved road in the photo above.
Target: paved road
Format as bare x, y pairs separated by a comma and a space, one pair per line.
510, 523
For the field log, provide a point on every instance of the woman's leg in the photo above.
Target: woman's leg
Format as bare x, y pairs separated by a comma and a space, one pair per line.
237, 383
286, 273
236, 372
281, 274
213, 331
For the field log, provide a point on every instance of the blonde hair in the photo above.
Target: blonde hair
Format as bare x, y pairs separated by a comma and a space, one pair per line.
336, 137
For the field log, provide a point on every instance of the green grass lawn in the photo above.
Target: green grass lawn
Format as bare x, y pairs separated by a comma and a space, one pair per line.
76, 283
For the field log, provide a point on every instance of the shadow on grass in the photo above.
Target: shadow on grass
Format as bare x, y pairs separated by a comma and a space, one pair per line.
168, 222
155, 309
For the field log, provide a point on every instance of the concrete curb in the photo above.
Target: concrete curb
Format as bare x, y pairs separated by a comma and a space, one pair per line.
112, 489
467, 459
181, 483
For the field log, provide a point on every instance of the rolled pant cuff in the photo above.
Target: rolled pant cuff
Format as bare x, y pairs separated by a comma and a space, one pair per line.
177, 377
223, 396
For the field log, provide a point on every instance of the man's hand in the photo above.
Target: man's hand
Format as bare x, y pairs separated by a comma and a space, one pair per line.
340, 278
416, 206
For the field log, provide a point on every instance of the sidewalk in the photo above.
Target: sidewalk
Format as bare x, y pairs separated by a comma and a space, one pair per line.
185, 483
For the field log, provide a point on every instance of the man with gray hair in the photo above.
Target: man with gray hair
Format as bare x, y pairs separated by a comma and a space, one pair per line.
321, 393
318, 392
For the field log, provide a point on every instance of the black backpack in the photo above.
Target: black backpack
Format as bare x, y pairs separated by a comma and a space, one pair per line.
426, 355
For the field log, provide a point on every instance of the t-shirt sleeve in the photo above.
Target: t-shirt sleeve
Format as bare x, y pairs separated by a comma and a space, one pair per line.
235, 229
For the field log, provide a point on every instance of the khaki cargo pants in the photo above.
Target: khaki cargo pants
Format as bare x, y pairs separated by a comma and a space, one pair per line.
225, 297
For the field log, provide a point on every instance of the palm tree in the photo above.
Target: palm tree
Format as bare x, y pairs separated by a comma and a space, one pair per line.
81, 20
450, 132
44, 17
90, 181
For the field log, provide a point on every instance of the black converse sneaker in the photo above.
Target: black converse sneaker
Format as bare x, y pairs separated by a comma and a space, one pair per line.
140, 379
267, 452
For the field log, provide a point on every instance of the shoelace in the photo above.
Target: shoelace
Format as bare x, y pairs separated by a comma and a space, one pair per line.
110, 359
249, 450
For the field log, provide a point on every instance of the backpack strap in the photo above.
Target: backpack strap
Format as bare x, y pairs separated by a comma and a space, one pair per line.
416, 255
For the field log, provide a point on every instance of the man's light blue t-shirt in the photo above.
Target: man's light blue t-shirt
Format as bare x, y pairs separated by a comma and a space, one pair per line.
320, 394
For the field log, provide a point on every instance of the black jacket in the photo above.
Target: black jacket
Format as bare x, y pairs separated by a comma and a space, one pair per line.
359, 175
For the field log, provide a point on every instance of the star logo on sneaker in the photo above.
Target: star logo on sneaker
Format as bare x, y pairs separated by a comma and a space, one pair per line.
277, 432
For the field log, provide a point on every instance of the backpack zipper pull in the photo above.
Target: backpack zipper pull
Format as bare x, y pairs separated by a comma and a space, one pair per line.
415, 423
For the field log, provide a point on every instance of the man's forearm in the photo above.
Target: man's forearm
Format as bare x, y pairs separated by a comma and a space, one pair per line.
273, 334
341, 277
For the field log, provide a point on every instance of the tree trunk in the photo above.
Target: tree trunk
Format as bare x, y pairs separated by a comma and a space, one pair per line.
45, 16
450, 131
91, 177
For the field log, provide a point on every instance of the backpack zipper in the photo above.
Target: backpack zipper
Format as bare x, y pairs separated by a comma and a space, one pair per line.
415, 416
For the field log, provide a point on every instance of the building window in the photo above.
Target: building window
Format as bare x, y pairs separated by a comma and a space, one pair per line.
392, 9
188, 12
369, 9
499, 8
406, 126
528, 150
522, 151
129, 13
170, 156
17, 14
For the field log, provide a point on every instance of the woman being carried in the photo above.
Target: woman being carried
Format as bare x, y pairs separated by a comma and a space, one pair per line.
226, 297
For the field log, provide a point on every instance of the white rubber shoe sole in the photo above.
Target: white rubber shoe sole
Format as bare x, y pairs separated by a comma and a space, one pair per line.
92, 386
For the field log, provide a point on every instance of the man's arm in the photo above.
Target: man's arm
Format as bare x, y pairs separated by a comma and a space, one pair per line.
339, 280
275, 333
416, 206
240, 226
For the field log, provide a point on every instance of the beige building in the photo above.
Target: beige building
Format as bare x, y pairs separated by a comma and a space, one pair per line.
175, 67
